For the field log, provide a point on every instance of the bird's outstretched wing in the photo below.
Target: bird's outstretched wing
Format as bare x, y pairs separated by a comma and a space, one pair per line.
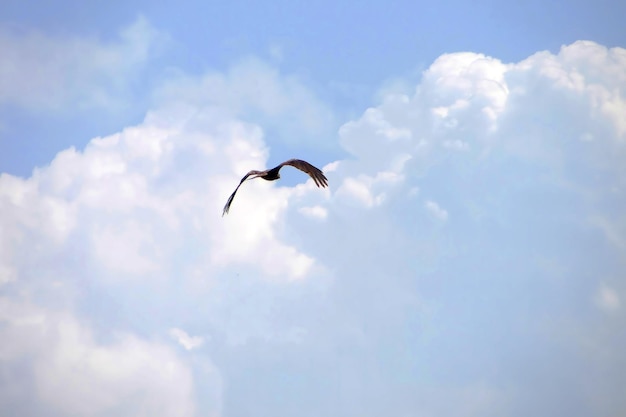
272, 174
314, 172
232, 196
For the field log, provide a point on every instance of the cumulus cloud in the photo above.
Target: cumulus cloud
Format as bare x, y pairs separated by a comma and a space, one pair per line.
392, 312
134, 189
528, 157
139, 210
70, 373
40, 71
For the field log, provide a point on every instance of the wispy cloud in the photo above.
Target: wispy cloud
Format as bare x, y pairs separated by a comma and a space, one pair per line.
259, 92
607, 299
41, 71
436, 210
186, 341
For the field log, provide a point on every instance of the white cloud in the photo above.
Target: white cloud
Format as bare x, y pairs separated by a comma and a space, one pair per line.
277, 52
613, 229
135, 191
129, 248
436, 210
499, 143
359, 190
40, 71
136, 210
73, 374
478, 105
128, 234
364, 188
316, 212
259, 92
607, 299
7, 274
186, 341
457, 145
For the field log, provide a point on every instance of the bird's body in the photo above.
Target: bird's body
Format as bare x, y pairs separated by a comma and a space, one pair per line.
273, 174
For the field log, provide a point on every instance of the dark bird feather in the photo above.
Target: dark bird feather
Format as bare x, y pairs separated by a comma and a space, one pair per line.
273, 174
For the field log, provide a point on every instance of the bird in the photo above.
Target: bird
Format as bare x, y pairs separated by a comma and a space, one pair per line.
273, 175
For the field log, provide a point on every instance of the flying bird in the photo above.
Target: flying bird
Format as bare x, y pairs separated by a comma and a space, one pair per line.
273, 175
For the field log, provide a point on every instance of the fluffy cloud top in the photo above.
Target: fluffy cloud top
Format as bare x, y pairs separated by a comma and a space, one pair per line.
455, 266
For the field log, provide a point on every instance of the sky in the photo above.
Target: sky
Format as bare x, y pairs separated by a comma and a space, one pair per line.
467, 259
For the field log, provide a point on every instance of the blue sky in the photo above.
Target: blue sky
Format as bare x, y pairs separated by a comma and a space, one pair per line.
467, 259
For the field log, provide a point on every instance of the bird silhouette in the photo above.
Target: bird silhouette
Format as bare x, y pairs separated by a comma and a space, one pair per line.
273, 174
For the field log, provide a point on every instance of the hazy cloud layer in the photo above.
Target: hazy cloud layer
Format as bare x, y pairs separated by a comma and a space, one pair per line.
39, 71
